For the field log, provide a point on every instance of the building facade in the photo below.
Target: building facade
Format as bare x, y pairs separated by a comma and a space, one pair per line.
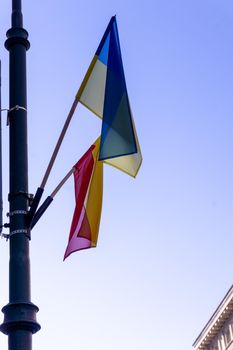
218, 332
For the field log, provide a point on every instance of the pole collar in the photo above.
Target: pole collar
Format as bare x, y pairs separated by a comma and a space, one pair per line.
20, 316
17, 36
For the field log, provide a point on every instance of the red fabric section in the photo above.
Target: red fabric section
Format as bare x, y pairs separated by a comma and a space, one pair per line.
85, 230
82, 176
75, 244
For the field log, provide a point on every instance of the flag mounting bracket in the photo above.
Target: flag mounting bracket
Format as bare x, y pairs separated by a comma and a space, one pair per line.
29, 196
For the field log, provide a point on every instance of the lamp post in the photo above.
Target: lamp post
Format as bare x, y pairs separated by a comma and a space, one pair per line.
20, 313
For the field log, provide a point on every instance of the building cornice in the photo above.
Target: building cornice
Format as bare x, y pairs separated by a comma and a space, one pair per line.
215, 323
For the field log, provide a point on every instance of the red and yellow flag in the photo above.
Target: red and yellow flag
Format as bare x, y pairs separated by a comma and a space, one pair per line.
88, 181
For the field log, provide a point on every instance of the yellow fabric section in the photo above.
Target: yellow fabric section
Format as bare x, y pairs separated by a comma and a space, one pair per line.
93, 91
88, 73
94, 199
129, 164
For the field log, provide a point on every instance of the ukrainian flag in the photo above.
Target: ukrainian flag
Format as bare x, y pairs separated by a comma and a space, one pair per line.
104, 92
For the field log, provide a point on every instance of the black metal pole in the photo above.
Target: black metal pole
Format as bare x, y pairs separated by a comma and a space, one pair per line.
20, 313
1, 201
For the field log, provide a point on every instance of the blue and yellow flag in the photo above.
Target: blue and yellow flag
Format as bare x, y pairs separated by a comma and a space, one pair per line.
104, 92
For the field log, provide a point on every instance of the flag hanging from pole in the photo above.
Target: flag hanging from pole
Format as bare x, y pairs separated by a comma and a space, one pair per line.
88, 181
104, 92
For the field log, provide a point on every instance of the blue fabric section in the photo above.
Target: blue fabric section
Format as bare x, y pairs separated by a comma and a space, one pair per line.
117, 135
117, 138
107, 31
103, 55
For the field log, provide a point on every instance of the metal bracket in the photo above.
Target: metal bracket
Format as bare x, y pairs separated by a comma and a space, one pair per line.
7, 236
15, 108
18, 231
17, 212
4, 235
29, 196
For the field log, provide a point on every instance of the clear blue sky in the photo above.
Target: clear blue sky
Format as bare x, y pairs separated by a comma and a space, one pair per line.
164, 256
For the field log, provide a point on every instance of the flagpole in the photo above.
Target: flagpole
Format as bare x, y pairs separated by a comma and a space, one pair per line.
20, 313
40, 189
59, 142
